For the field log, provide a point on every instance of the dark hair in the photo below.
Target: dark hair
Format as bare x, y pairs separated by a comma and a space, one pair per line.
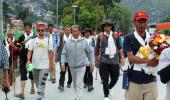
87, 30
27, 24
50, 25
107, 21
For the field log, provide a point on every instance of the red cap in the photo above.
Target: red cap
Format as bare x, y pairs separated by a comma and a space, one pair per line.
140, 15
40, 25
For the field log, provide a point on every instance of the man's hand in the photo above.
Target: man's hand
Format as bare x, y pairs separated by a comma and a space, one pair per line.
23, 42
63, 67
28, 62
51, 67
56, 59
97, 64
153, 62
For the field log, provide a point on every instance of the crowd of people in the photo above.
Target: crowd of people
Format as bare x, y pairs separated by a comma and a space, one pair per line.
78, 52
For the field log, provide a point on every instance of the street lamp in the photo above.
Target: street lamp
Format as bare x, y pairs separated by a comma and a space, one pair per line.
1, 17
74, 11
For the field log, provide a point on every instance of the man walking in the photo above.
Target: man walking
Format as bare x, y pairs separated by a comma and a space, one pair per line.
79, 56
141, 85
55, 42
106, 54
65, 38
88, 76
40, 50
23, 43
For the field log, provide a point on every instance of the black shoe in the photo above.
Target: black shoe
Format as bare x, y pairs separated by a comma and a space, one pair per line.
20, 96
61, 88
90, 88
85, 86
68, 85
49, 79
53, 81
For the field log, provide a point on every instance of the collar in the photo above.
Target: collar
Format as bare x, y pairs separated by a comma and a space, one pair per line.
111, 32
25, 34
76, 39
140, 39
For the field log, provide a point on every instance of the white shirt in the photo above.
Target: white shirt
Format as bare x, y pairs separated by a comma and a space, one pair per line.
40, 57
26, 38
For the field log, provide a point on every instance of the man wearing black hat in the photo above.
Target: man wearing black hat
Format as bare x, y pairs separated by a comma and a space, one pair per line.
88, 77
107, 58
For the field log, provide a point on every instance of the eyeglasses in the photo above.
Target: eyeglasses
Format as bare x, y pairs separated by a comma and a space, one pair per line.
40, 30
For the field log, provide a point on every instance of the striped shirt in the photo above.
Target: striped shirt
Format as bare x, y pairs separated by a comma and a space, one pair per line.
4, 62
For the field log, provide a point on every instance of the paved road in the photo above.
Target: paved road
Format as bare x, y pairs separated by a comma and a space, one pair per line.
52, 93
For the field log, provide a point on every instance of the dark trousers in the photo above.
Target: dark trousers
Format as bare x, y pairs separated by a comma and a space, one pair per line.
107, 70
88, 77
62, 76
23, 71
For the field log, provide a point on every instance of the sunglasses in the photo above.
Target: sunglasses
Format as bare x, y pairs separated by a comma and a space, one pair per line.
40, 30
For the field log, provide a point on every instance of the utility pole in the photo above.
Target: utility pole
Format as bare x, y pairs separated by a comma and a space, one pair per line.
1, 17
57, 14
106, 8
74, 12
97, 15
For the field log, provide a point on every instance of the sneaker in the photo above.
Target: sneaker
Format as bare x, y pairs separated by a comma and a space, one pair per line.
39, 97
53, 80
32, 91
111, 92
106, 98
68, 85
85, 86
20, 96
61, 88
90, 88
49, 79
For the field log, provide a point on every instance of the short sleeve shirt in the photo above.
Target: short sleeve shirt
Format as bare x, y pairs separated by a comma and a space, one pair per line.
132, 44
4, 60
40, 48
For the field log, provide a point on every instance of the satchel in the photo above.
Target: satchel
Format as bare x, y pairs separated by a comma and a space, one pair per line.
125, 83
164, 74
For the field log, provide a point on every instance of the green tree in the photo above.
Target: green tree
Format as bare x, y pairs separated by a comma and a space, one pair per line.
67, 20
88, 14
167, 19
121, 16
8, 12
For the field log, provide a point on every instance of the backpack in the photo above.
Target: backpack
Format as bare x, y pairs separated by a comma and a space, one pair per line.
93, 42
102, 38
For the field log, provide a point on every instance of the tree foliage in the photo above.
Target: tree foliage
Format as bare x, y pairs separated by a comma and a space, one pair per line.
121, 17
167, 19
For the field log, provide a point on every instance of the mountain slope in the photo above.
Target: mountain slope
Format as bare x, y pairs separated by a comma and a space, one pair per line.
157, 9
